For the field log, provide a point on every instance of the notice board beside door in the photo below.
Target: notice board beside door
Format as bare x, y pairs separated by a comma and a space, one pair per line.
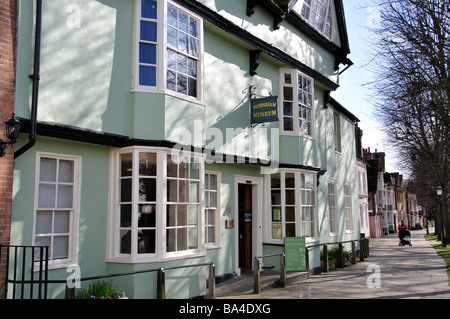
295, 252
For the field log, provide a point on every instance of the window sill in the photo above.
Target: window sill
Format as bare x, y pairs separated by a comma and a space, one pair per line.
169, 257
52, 265
151, 90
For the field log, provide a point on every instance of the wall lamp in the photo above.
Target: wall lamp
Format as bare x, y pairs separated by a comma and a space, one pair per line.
12, 127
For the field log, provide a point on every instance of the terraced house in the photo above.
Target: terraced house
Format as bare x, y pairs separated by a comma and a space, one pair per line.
166, 133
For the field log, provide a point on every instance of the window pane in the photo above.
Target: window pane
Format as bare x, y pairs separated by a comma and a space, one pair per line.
125, 190
194, 27
147, 189
288, 93
65, 171
171, 216
147, 164
193, 192
192, 87
181, 215
192, 214
171, 59
65, 194
183, 42
211, 234
149, 9
211, 217
172, 16
147, 75
47, 195
290, 230
182, 63
182, 243
41, 241
126, 164
62, 222
125, 215
147, 53
288, 109
193, 238
43, 222
147, 241
276, 197
125, 241
290, 214
171, 240
148, 31
290, 197
48, 170
192, 67
213, 182
288, 124
183, 21
172, 187
276, 231
194, 47
172, 35
182, 84
60, 247
171, 81
147, 216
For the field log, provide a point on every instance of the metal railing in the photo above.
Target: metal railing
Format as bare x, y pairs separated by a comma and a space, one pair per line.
257, 271
161, 281
20, 267
363, 253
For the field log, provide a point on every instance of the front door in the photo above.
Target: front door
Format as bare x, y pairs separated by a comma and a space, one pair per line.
245, 226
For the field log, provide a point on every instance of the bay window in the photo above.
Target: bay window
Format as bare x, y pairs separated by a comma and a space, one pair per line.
292, 209
318, 13
156, 204
169, 49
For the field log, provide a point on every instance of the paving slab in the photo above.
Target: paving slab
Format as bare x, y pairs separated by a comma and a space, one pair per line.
390, 272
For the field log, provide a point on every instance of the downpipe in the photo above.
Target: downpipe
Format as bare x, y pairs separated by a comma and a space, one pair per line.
35, 77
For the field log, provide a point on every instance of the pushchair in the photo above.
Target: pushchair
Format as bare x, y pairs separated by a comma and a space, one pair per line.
405, 237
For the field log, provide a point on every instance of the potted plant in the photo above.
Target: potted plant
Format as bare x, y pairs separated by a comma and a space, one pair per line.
101, 289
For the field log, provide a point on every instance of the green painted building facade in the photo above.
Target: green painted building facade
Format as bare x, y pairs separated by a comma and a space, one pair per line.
145, 155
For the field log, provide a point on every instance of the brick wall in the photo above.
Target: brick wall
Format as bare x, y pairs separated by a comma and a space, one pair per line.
7, 87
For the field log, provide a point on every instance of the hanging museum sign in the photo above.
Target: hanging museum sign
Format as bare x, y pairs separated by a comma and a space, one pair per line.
264, 110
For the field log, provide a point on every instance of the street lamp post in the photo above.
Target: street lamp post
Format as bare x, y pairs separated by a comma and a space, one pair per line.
439, 193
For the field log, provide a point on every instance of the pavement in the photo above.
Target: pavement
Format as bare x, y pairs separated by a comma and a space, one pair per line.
390, 272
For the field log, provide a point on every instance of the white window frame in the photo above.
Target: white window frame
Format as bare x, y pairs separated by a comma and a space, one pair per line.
333, 216
348, 207
161, 60
161, 253
296, 104
337, 132
217, 210
298, 206
74, 210
329, 14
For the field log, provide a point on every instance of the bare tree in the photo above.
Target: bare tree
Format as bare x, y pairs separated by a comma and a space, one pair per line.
412, 89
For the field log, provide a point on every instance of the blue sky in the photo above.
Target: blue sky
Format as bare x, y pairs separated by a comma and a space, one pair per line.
352, 94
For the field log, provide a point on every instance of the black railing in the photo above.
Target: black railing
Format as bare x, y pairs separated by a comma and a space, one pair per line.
20, 268
363, 253
257, 272
161, 282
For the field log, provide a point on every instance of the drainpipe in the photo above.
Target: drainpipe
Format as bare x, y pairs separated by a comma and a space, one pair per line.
35, 77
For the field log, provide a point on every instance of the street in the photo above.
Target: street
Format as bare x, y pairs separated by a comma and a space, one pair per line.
390, 272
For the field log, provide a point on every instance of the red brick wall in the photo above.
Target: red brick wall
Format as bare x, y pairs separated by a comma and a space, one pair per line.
7, 88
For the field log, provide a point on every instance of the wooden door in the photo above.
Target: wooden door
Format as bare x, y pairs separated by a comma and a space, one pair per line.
245, 226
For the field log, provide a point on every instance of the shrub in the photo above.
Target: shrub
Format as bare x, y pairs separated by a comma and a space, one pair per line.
100, 289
